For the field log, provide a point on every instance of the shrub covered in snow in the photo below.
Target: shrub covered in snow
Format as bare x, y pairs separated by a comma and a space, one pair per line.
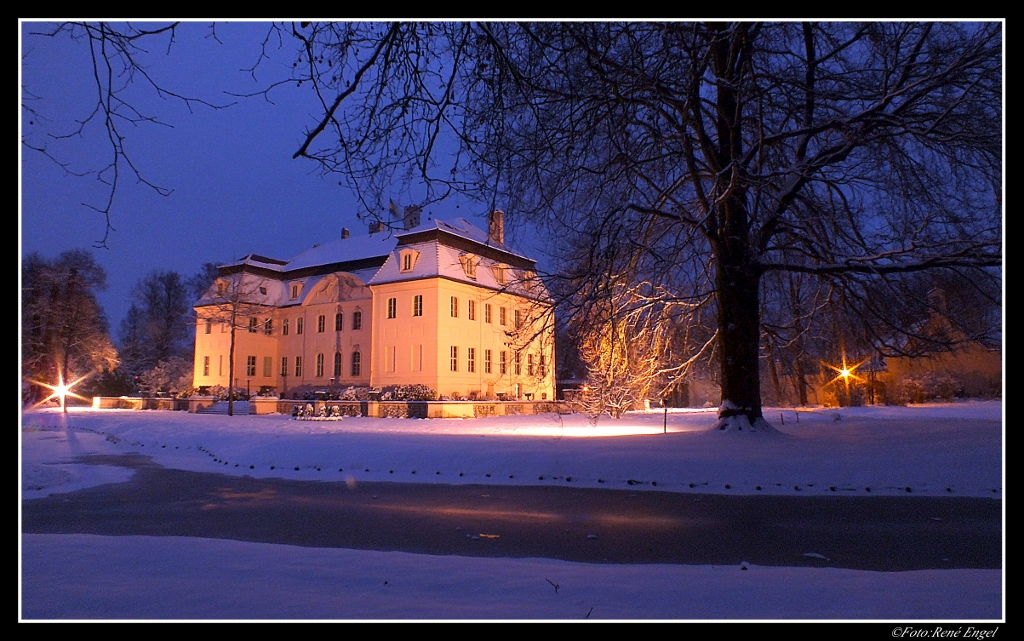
929, 386
408, 393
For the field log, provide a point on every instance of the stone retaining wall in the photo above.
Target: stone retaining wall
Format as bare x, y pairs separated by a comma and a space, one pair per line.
375, 409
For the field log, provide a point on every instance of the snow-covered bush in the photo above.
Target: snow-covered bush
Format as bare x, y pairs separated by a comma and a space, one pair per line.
350, 393
170, 376
929, 386
415, 392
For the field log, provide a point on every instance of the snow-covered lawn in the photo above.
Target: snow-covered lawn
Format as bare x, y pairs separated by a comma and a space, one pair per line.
930, 450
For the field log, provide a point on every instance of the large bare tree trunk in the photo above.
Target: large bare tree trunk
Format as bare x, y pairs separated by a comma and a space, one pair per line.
738, 278
739, 324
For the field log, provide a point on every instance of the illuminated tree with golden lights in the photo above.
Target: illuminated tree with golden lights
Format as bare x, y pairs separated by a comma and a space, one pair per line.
624, 355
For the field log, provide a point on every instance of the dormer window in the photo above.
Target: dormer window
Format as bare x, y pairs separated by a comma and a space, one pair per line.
222, 287
296, 289
499, 273
469, 262
263, 290
407, 260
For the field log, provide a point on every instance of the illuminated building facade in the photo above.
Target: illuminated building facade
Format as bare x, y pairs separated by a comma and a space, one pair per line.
442, 304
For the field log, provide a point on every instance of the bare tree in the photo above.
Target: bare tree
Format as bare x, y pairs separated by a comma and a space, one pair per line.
714, 153
235, 299
115, 51
849, 152
156, 327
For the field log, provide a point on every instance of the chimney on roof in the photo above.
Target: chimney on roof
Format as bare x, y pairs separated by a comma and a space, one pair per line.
412, 216
344, 233
496, 227
937, 300
376, 226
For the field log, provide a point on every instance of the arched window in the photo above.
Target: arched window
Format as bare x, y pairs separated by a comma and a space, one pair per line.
319, 365
356, 358
337, 364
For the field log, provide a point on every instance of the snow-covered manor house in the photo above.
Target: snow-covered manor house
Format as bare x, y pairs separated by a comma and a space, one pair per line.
442, 304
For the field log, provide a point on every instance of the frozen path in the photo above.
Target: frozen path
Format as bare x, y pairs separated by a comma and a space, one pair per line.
883, 533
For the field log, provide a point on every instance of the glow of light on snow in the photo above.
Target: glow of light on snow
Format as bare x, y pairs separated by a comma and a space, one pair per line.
938, 449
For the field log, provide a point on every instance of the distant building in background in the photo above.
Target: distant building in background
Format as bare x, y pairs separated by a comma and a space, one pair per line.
967, 368
439, 303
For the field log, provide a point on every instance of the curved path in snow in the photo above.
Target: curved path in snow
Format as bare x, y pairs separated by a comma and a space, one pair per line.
886, 533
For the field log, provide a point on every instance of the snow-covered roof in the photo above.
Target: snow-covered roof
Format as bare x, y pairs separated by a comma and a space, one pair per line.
461, 228
375, 258
343, 250
434, 259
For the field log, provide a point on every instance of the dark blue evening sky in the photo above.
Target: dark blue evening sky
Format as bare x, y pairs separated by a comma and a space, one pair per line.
236, 188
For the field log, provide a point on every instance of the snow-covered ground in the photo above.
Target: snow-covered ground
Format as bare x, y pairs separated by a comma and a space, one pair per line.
929, 450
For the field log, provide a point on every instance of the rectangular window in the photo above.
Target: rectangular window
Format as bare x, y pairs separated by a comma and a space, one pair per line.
389, 358
298, 325
250, 366
501, 316
298, 366
320, 364
519, 319
268, 365
223, 328
206, 366
339, 321
471, 359
503, 363
209, 325
407, 262
337, 364
252, 325
543, 366
357, 320
295, 292
519, 364
321, 323
455, 307
487, 361
392, 307
455, 359
417, 305
284, 366
356, 359
268, 326
284, 327
487, 313
529, 364
471, 309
